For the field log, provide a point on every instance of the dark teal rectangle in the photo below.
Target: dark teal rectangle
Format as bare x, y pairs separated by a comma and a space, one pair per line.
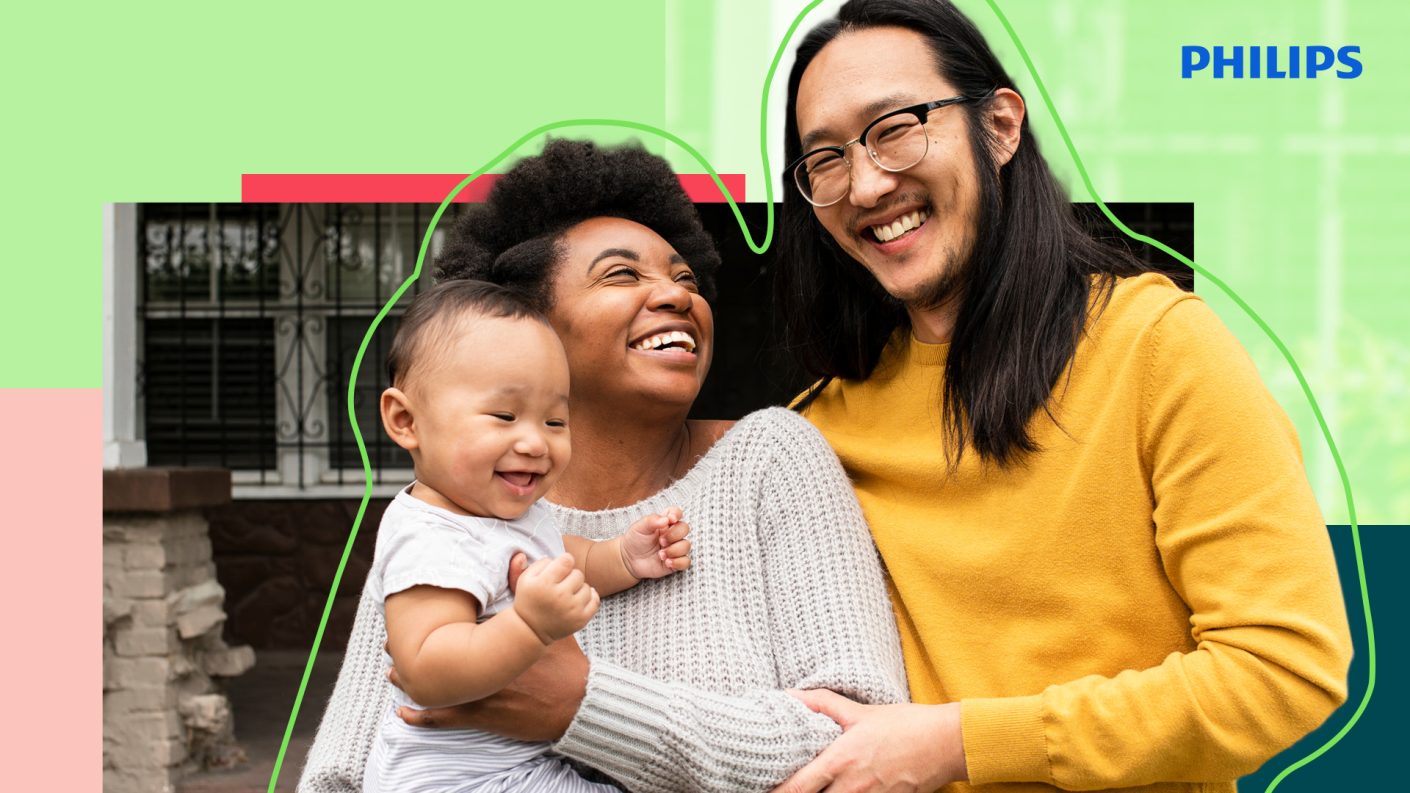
1367, 758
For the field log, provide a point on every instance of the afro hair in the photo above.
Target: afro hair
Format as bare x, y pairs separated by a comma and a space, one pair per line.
513, 238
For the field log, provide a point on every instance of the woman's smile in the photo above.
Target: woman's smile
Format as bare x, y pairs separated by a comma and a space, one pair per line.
629, 311
673, 343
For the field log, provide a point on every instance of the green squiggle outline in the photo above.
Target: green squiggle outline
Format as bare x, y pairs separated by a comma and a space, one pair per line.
1287, 356
761, 248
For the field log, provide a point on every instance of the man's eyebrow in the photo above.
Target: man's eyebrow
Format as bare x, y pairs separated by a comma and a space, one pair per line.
873, 109
813, 137
888, 103
625, 253
676, 258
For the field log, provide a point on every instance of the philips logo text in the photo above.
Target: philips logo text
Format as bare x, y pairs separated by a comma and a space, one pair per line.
1269, 62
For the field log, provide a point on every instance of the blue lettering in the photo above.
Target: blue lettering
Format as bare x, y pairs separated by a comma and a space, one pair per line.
1263, 61
1273, 65
1192, 59
1319, 59
1353, 66
1236, 60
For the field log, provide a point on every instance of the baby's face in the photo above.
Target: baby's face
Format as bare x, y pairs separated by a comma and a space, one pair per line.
491, 416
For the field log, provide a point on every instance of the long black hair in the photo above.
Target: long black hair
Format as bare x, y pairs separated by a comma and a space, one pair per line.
1023, 292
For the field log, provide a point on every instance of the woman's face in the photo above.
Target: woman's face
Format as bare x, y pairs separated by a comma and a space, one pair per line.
630, 315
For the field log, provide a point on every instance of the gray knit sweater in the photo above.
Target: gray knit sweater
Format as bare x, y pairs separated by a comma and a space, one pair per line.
685, 688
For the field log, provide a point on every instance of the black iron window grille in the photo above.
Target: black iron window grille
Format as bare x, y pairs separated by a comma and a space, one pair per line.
250, 317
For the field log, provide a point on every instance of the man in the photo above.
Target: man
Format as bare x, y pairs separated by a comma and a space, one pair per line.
1107, 565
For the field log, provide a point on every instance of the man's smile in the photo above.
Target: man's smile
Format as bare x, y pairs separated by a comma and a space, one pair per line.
901, 226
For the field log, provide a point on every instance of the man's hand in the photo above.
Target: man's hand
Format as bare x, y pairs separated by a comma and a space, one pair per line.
655, 546
892, 748
554, 599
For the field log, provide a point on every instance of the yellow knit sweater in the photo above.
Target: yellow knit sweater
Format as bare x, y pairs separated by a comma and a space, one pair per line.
1150, 600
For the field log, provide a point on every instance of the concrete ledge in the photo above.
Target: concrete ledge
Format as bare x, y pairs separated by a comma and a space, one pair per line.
164, 489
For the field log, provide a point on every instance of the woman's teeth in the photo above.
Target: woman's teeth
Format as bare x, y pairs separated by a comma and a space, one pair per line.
663, 340
900, 225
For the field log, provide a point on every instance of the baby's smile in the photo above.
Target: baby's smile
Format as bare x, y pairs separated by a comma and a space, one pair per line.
520, 483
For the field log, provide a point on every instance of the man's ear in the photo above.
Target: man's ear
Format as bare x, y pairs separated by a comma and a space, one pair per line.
397, 419
1005, 119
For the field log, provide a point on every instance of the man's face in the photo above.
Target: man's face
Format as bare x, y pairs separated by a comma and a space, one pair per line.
855, 78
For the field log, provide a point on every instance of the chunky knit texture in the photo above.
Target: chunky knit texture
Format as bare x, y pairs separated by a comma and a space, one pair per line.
685, 691
1148, 601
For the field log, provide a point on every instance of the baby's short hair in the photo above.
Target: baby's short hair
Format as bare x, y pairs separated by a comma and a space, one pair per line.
432, 316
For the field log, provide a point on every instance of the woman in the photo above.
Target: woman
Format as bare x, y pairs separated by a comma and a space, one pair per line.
682, 687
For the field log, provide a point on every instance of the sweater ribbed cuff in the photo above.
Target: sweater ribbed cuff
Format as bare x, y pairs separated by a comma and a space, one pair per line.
619, 722
1004, 740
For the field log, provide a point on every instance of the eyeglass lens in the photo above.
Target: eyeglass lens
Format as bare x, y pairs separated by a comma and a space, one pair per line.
895, 144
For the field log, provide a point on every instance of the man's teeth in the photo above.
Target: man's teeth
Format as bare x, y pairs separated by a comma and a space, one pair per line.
662, 340
900, 225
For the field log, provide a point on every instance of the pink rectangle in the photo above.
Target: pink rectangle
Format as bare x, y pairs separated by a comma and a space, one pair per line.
421, 188
51, 482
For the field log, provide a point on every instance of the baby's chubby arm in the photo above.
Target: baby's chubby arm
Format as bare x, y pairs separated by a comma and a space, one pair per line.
443, 657
654, 547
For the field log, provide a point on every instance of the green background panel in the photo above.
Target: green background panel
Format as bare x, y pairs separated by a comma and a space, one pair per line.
173, 101
1295, 182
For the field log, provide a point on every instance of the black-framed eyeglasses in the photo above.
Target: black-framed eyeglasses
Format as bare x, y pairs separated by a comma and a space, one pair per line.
894, 141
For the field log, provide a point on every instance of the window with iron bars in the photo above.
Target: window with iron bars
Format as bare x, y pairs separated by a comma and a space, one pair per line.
250, 318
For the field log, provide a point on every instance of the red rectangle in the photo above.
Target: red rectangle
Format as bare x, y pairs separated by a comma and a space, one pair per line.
424, 188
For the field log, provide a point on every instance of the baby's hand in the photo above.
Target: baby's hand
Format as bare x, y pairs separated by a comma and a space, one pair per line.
655, 546
554, 599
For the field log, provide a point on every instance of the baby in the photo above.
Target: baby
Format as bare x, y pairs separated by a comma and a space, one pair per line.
479, 397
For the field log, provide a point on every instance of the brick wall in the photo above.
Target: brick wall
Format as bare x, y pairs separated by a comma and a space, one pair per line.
276, 561
164, 713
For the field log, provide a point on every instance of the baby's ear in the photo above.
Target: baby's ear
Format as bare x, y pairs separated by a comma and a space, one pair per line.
397, 418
